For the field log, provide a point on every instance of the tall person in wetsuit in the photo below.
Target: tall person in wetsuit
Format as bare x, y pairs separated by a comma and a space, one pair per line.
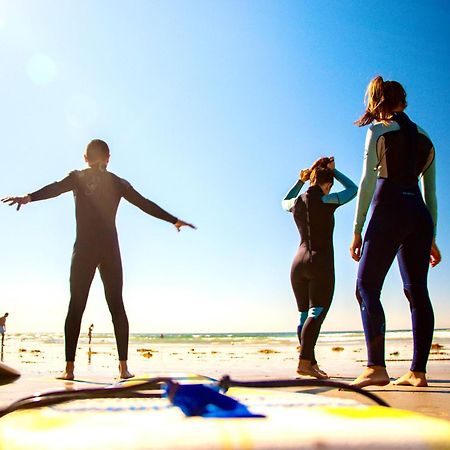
312, 271
97, 194
403, 224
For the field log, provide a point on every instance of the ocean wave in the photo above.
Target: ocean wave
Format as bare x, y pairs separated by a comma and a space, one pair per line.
278, 338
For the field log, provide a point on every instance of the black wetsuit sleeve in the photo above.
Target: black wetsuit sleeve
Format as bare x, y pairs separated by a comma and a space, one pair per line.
54, 189
146, 205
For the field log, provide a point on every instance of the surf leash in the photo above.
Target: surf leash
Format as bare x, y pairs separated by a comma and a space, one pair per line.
61, 396
226, 382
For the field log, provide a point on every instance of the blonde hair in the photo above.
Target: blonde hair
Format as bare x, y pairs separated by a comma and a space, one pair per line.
318, 173
381, 98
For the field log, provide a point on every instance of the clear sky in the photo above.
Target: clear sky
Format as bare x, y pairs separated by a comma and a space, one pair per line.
210, 109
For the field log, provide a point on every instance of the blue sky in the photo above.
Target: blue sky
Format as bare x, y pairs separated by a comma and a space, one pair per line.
210, 109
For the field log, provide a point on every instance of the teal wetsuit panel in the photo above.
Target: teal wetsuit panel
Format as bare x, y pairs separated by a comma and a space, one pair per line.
336, 198
342, 197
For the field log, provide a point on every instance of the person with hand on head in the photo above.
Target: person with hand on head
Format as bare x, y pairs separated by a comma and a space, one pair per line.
312, 271
403, 223
97, 194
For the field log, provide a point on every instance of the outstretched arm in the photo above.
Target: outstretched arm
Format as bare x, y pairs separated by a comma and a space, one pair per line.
151, 208
50, 191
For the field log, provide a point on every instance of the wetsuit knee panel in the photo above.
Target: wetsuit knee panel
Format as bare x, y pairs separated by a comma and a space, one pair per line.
413, 288
303, 317
315, 312
417, 294
367, 293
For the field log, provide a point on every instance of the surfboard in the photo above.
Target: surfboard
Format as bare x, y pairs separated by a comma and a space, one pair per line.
288, 420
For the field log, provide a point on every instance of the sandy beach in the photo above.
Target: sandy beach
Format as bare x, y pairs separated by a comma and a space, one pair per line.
40, 358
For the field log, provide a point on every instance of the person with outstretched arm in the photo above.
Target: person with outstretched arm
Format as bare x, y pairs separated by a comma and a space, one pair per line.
97, 193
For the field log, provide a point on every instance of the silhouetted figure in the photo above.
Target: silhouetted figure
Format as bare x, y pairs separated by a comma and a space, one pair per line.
3, 327
97, 195
91, 327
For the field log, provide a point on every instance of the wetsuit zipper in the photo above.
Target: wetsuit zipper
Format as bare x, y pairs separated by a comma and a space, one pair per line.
308, 227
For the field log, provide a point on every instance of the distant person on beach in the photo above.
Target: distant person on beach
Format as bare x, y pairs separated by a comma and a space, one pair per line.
91, 327
97, 195
397, 153
312, 271
3, 326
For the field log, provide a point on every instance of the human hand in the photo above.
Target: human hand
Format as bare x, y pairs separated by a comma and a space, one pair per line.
331, 165
435, 255
19, 201
355, 247
304, 175
180, 223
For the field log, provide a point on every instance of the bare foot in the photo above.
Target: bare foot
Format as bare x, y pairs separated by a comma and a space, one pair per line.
68, 373
66, 376
372, 376
316, 367
306, 368
416, 379
124, 372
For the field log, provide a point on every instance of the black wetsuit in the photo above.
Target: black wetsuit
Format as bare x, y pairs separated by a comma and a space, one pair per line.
97, 195
312, 271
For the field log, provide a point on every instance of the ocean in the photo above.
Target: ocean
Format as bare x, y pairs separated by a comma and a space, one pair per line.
326, 337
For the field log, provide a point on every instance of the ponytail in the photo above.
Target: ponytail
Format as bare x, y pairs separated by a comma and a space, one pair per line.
305, 175
381, 98
318, 173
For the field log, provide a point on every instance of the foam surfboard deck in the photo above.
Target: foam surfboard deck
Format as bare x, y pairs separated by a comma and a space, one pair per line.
293, 421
